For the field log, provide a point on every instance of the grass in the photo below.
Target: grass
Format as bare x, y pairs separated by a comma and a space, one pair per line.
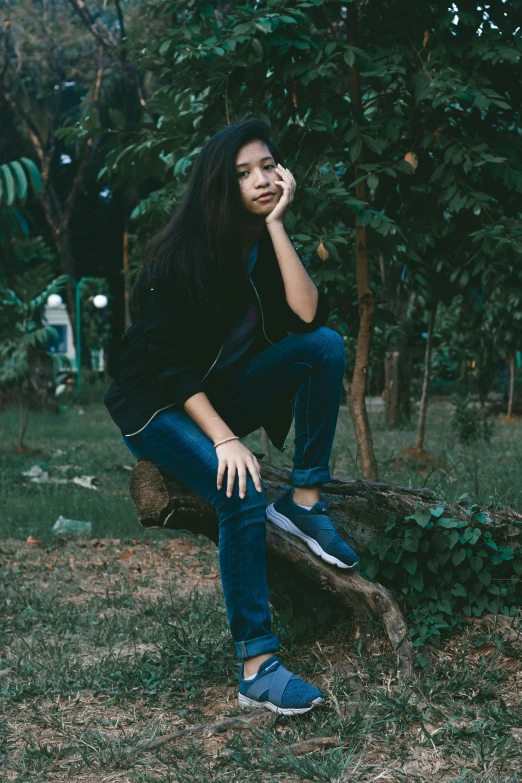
110, 641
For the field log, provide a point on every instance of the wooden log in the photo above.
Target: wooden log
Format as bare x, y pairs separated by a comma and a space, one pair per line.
162, 502
355, 508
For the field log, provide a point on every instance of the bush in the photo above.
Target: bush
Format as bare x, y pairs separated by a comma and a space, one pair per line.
444, 569
470, 422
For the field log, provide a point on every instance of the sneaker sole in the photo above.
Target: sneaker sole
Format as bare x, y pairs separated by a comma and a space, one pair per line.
286, 524
244, 701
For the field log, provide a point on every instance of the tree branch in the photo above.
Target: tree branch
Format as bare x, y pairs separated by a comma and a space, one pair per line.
82, 168
105, 37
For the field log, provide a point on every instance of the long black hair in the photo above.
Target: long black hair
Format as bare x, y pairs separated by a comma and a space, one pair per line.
201, 249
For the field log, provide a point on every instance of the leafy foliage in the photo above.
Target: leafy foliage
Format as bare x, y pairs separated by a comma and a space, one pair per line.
25, 363
17, 179
443, 569
471, 423
437, 130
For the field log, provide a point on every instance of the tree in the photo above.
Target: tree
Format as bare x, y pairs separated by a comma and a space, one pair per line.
348, 86
26, 366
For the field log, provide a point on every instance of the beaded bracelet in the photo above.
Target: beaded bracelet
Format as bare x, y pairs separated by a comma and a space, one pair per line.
234, 437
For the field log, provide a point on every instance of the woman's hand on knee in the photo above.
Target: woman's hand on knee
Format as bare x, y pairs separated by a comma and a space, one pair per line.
235, 457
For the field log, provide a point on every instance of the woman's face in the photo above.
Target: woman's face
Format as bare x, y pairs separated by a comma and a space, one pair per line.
256, 171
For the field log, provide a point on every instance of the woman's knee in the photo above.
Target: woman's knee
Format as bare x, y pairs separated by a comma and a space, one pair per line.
252, 507
330, 343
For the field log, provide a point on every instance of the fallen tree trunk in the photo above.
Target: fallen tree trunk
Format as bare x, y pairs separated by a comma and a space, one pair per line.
355, 507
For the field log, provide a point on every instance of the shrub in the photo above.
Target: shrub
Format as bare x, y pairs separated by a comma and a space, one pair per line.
470, 422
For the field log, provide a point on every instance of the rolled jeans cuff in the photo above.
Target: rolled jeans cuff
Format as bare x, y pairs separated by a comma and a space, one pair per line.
306, 478
258, 646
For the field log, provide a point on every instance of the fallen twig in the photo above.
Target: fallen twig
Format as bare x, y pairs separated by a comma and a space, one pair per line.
242, 722
302, 746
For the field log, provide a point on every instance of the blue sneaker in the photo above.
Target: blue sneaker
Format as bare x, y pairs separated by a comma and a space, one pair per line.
314, 527
278, 690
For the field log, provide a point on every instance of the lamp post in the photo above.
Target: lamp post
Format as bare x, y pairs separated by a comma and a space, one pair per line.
99, 301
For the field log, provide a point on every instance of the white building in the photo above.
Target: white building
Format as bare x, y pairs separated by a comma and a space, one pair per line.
56, 315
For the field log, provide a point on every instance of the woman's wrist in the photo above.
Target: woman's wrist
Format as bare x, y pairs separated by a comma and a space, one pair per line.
275, 225
225, 440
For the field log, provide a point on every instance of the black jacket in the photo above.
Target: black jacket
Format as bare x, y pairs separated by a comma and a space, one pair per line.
168, 353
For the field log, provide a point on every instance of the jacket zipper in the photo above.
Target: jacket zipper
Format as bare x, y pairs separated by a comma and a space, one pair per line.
261, 308
172, 404
214, 362
271, 343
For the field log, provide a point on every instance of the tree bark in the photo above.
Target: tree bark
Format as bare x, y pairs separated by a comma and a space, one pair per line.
356, 390
423, 410
398, 409
23, 418
511, 363
355, 507
391, 375
265, 444
165, 503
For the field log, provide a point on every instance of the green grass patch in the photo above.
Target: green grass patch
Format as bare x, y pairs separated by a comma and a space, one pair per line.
108, 642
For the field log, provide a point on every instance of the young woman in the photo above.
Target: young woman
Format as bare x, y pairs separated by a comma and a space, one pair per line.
209, 359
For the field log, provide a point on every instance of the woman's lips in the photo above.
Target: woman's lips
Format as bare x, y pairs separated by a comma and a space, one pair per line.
266, 198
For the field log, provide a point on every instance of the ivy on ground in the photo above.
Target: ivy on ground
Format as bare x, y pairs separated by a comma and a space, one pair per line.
444, 569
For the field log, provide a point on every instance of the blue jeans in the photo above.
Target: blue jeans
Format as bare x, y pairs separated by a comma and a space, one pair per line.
309, 365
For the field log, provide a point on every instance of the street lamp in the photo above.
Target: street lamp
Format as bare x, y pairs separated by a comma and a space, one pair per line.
99, 301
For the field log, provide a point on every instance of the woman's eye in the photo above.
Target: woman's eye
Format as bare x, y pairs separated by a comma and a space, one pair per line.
268, 165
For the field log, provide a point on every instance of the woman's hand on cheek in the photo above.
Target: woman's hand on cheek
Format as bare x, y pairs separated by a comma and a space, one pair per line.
288, 185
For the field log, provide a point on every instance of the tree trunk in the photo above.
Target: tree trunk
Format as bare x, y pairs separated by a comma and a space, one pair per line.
164, 503
265, 444
23, 418
511, 363
398, 409
423, 410
391, 383
356, 390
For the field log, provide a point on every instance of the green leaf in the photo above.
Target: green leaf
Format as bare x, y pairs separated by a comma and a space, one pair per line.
458, 556
355, 149
349, 57
437, 512
484, 577
9, 184
476, 563
411, 544
239, 29
459, 590
417, 581
422, 516
448, 522
433, 565
452, 537
20, 179
480, 517
410, 564
373, 181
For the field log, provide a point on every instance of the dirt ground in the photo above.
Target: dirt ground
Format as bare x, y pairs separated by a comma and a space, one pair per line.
108, 644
